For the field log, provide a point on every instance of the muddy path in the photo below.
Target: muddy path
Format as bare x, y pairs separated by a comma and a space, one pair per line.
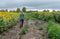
33, 32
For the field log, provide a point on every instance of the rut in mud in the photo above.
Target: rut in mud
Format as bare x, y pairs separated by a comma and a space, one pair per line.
33, 32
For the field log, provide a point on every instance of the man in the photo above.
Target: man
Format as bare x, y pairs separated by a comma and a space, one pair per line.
21, 20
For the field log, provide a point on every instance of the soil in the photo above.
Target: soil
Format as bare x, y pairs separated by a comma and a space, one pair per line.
12, 33
33, 32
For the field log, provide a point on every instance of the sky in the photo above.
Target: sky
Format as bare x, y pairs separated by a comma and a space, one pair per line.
30, 4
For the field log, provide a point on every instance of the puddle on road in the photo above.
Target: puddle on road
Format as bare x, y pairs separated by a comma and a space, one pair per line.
30, 22
35, 22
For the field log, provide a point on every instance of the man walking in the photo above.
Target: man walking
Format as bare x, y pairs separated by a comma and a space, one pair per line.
21, 20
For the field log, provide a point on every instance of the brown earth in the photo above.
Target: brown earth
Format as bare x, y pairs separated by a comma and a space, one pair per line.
12, 33
33, 32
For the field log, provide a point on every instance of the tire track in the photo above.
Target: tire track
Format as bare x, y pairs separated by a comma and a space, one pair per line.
34, 33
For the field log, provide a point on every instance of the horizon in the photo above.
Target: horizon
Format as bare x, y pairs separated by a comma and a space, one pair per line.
50, 10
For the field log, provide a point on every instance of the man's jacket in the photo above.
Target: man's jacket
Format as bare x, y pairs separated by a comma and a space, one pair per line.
21, 16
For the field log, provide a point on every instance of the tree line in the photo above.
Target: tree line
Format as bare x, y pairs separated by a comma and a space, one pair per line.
17, 10
23, 9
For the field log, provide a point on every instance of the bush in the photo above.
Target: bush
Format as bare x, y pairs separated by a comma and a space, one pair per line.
24, 30
57, 17
41, 27
53, 30
30, 16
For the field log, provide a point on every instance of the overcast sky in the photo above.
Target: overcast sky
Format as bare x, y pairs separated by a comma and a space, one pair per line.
30, 4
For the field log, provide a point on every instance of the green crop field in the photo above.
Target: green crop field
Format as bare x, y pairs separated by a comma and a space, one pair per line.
52, 19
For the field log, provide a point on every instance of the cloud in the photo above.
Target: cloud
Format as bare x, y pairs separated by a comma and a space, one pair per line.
30, 4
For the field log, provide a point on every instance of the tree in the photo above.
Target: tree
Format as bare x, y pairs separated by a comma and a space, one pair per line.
24, 9
47, 10
53, 10
18, 10
12, 11
2, 10
44, 10
6, 10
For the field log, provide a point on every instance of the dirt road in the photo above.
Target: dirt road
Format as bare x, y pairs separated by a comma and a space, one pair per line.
33, 32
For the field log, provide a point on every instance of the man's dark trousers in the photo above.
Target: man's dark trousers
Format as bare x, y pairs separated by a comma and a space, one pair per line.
21, 23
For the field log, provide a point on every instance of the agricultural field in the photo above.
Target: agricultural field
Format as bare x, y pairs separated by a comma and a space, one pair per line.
7, 20
53, 22
37, 25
